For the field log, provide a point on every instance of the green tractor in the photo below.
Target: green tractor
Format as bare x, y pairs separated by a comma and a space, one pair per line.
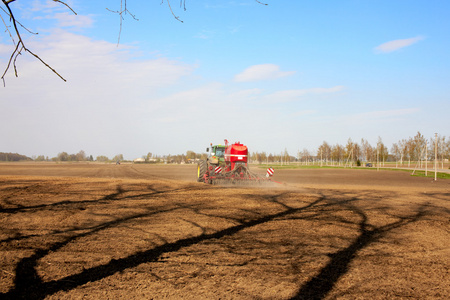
215, 159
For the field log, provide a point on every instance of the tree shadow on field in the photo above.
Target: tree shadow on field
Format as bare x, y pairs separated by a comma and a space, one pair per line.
153, 191
29, 285
322, 283
438, 196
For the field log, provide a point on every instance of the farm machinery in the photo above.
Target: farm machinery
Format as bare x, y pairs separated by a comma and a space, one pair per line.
228, 164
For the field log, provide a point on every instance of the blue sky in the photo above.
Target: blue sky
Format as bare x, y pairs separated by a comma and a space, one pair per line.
288, 75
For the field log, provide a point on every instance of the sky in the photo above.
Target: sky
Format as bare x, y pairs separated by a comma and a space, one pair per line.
288, 75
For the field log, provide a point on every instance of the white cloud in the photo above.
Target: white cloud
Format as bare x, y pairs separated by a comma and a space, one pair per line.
66, 19
105, 87
38, 9
45, 5
118, 102
304, 113
261, 72
397, 44
185, 103
247, 94
384, 114
85, 60
291, 95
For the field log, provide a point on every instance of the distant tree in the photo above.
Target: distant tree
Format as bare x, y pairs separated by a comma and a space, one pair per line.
395, 152
63, 156
357, 152
337, 154
40, 158
118, 157
257, 157
382, 151
13, 157
102, 158
190, 155
80, 156
148, 156
366, 150
442, 149
419, 143
306, 155
350, 152
285, 156
263, 157
380, 147
403, 148
446, 151
324, 152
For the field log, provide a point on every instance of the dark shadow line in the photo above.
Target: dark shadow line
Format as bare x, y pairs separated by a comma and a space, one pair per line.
110, 197
321, 284
28, 285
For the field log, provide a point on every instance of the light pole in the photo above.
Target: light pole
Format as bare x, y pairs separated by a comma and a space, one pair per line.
426, 158
435, 156
378, 167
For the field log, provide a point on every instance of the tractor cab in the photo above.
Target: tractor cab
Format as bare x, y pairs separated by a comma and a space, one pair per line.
217, 154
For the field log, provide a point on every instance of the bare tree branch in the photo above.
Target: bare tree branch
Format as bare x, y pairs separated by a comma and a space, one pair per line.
173, 14
20, 45
123, 11
63, 3
6, 26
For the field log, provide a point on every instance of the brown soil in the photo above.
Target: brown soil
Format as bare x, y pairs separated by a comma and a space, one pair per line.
99, 231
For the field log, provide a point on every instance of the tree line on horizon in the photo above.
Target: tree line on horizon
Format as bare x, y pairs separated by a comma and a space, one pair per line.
404, 151
61, 157
13, 157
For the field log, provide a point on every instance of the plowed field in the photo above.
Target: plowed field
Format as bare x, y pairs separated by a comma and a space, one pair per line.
99, 231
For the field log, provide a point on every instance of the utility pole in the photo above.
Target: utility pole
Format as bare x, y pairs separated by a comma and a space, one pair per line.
378, 164
435, 156
321, 158
426, 158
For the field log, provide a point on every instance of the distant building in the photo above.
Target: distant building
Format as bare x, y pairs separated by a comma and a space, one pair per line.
139, 160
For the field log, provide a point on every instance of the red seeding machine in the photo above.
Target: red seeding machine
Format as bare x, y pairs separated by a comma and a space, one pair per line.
228, 164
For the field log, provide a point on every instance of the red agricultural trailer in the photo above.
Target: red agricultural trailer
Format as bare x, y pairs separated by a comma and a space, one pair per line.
229, 164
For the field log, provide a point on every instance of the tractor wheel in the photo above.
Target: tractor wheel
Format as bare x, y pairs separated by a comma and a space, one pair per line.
202, 167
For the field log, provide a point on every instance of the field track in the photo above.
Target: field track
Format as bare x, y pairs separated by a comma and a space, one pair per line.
105, 231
